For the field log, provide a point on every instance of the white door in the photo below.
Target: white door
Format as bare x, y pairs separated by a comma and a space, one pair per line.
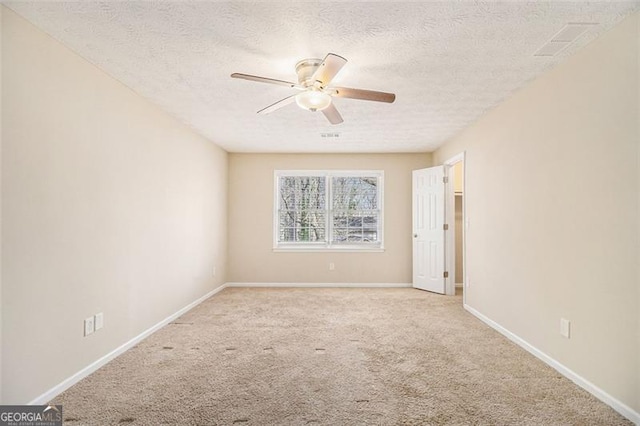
428, 229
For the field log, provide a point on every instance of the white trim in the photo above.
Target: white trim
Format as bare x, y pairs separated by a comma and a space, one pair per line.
332, 249
603, 396
450, 237
94, 366
322, 285
455, 159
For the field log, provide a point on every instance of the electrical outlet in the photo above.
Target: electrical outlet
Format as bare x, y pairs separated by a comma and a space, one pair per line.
98, 321
88, 326
565, 328
332, 266
214, 271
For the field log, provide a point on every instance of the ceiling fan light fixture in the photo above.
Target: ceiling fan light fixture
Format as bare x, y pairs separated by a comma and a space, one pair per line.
313, 100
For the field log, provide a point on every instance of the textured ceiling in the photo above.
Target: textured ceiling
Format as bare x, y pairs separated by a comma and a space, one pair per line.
448, 62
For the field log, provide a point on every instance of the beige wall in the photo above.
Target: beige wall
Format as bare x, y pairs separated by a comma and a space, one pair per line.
108, 205
251, 256
458, 177
552, 194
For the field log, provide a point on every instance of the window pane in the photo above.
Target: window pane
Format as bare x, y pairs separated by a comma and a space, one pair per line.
355, 221
340, 220
302, 208
340, 235
302, 226
355, 193
355, 227
302, 234
302, 193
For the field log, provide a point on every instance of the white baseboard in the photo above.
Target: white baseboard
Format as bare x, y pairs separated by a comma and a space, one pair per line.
322, 285
603, 396
67, 383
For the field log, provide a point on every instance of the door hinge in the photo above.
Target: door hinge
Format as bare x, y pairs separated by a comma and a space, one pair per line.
446, 274
445, 226
445, 179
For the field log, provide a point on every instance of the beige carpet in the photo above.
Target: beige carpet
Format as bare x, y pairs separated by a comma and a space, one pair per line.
329, 357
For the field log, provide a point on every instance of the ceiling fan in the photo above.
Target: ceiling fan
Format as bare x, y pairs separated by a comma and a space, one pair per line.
314, 77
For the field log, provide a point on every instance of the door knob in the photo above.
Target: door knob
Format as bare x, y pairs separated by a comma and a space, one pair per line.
415, 235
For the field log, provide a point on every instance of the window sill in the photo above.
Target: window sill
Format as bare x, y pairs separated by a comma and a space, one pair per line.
316, 249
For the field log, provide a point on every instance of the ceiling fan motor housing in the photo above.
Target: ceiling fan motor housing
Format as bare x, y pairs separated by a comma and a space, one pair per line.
305, 70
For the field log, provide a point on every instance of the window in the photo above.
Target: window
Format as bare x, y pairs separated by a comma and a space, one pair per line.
328, 210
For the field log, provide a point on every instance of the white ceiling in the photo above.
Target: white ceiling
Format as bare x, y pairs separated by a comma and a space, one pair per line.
448, 62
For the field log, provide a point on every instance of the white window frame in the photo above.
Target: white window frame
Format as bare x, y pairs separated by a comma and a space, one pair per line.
327, 245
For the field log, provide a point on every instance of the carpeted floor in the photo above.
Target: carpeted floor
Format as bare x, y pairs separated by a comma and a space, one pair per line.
329, 357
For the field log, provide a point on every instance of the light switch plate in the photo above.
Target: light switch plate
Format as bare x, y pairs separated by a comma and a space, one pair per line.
565, 328
99, 321
88, 326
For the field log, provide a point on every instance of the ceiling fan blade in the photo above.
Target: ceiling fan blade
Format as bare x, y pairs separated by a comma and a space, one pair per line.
366, 95
281, 103
266, 80
332, 114
328, 69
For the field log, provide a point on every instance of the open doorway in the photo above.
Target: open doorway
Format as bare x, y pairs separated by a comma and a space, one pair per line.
458, 228
438, 232
455, 216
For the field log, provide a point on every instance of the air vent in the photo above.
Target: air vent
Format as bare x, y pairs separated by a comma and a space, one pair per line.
571, 32
567, 35
330, 135
552, 48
